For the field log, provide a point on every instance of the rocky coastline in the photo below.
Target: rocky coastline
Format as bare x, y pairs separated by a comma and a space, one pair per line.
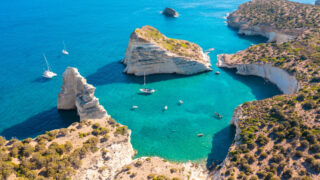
150, 52
287, 83
276, 138
268, 19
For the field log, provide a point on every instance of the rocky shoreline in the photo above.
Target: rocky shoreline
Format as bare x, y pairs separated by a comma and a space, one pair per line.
287, 83
275, 138
272, 19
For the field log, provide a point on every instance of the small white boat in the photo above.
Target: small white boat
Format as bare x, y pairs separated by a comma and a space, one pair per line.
165, 108
48, 74
217, 72
180, 101
199, 135
135, 107
210, 49
64, 51
147, 90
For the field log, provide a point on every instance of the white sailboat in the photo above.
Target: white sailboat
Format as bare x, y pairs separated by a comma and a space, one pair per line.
48, 74
64, 51
147, 90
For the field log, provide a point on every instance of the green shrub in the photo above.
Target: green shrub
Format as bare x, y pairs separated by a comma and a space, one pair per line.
298, 154
309, 105
277, 158
304, 144
138, 163
315, 148
287, 174
262, 140
121, 130
2, 141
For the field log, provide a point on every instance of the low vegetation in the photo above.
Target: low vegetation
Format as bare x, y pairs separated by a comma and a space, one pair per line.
53, 155
282, 15
179, 47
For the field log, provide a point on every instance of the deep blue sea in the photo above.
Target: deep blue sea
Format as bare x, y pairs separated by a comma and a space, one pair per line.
96, 34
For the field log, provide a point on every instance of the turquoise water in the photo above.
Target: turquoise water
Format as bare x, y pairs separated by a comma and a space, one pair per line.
96, 34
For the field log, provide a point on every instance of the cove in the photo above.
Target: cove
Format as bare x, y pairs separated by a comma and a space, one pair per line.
96, 35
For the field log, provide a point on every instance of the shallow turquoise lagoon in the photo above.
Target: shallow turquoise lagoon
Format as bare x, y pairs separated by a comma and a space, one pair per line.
96, 34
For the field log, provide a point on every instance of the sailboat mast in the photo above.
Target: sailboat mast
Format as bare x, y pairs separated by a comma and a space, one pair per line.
64, 45
45, 58
144, 78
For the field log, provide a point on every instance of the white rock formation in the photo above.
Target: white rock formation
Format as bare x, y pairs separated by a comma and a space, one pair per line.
265, 31
147, 56
76, 93
104, 165
287, 83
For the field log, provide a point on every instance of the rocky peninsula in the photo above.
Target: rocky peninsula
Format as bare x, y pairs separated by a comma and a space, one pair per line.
278, 20
278, 138
150, 52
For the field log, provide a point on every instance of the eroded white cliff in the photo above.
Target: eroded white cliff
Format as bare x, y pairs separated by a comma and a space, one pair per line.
287, 83
77, 94
106, 164
145, 56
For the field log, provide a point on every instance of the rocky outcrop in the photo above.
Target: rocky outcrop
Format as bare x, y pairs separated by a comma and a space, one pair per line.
272, 34
150, 52
287, 83
317, 2
105, 165
270, 18
76, 93
169, 12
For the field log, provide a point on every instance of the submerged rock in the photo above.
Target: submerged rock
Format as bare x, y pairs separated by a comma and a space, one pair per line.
150, 52
76, 93
169, 12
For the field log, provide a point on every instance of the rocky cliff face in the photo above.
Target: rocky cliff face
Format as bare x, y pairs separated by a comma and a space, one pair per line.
150, 52
105, 165
76, 93
272, 34
287, 83
278, 20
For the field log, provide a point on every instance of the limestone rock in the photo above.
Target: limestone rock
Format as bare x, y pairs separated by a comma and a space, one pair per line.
151, 52
76, 93
287, 83
169, 12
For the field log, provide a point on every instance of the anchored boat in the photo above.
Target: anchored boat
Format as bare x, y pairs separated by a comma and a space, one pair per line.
48, 73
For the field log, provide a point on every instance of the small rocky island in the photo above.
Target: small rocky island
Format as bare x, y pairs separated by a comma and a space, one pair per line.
150, 52
169, 12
